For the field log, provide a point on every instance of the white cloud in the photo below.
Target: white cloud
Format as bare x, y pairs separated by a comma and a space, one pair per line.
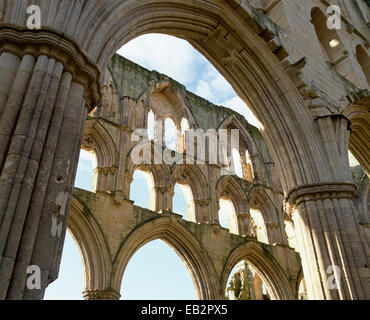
236, 104
180, 61
204, 90
85, 162
169, 55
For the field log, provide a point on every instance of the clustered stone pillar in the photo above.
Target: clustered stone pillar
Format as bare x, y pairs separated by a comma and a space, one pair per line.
46, 83
328, 236
334, 257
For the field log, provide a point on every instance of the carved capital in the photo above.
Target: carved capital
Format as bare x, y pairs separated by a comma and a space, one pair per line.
163, 189
202, 202
318, 191
128, 177
22, 41
107, 294
88, 142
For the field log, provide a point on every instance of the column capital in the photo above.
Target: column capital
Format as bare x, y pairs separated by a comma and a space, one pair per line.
21, 41
318, 191
106, 294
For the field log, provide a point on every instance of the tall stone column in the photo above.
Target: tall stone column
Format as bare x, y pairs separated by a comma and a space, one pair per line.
46, 87
334, 256
329, 241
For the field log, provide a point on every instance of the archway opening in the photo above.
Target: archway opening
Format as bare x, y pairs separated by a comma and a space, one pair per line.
178, 59
258, 227
332, 46
184, 128
142, 190
150, 125
226, 212
183, 201
170, 134
249, 173
156, 272
86, 171
237, 163
245, 283
329, 39
70, 282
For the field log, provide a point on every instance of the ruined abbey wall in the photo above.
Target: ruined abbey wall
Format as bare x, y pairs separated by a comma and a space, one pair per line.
298, 201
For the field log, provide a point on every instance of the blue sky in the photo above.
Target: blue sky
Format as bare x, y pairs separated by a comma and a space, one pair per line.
155, 271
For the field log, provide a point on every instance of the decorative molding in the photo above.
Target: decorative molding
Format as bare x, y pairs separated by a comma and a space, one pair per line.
318, 191
21, 41
107, 294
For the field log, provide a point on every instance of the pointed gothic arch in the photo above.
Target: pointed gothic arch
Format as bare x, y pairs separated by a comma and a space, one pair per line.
249, 145
183, 242
260, 200
265, 265
93, 248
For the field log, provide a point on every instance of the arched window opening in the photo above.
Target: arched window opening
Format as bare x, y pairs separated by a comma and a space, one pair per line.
184, 127
170, 134
226, 213
86, 175
70, 282
237, 164
258, 227
364, 61
151, 125
178, 59
249, 174
183, 202
244, 283
156, 272
329, 39
332, 46
142, 190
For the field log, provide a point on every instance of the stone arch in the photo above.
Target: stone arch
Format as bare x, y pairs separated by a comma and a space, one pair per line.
193, 176
162, 182
161, 172
250, 145
220, 33
183, 242
175, 99
93, 248
101, 144
98, 141
265, 265
359, 116
252, 69
260, 200
228, 187
332, 44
